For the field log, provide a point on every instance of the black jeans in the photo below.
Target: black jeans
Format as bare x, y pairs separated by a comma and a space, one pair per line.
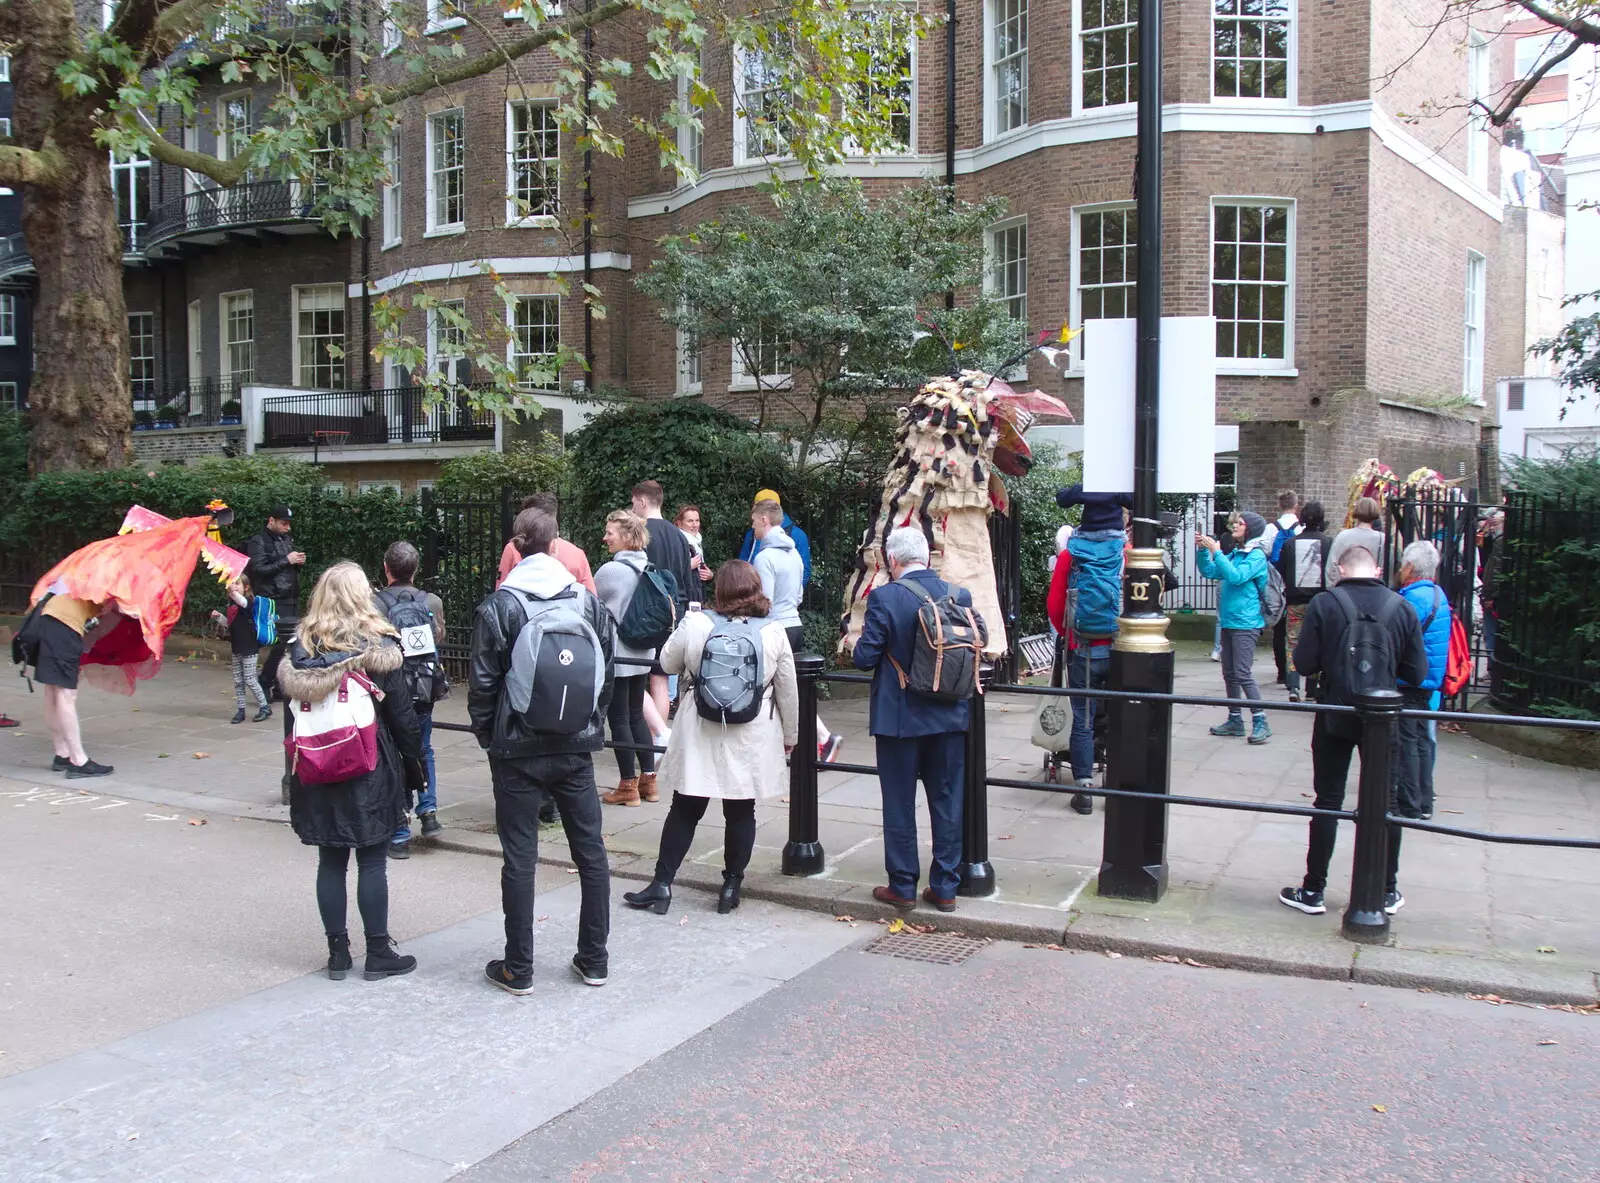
1280, 648
372, 887
1330, 769
519, 787
626, 716
288, 621
677, 833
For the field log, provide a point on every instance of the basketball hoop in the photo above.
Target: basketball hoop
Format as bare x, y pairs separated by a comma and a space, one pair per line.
331, 438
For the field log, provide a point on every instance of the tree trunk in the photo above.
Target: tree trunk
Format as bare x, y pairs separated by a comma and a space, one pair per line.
82, 411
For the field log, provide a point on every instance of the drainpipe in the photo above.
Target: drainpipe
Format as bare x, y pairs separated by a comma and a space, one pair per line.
366, 240
588, 203
950, 114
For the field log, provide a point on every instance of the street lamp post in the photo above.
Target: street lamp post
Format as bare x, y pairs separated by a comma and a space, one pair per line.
1138, 737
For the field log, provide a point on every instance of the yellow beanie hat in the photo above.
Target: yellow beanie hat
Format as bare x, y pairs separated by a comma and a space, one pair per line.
767, 495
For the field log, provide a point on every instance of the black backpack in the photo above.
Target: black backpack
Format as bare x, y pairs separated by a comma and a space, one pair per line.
407, 610
1365, 659
25, 641
946, 649
653, 612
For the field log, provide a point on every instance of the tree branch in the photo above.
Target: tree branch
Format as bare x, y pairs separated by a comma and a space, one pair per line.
1501, 115
27, 166
223, 172
1581, 29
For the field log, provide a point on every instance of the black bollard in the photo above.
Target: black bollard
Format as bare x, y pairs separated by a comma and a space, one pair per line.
288, 756
803, 854
1365, 920
977, 873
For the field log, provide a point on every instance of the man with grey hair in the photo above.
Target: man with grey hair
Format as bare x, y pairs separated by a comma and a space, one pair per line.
1419, 563
1360, 613
917, 736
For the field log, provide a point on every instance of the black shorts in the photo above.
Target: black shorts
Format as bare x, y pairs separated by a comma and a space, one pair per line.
60, 651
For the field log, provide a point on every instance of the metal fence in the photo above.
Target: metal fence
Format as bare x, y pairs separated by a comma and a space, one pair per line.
392, 415
461, 546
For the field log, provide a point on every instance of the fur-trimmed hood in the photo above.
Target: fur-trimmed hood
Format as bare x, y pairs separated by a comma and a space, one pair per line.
310, 678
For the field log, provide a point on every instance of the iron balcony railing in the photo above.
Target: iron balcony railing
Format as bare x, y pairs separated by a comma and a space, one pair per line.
199, 402
394, 415
14, 256
331, 17
253, 203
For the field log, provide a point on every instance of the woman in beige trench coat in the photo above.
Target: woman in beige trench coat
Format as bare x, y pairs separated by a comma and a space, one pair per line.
736, 762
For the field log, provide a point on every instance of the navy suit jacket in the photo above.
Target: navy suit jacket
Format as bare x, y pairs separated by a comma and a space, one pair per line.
890, 629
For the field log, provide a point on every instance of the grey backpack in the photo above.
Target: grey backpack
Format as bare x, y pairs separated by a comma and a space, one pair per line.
558, 669
731, 682
1273, 597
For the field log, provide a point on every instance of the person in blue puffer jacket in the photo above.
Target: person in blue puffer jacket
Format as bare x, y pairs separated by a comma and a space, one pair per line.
1416, 747
1242, 574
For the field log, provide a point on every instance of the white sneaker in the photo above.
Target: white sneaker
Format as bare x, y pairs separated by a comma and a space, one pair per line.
1216, 655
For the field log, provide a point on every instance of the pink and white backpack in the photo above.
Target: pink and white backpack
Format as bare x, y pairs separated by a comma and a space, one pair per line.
336, 738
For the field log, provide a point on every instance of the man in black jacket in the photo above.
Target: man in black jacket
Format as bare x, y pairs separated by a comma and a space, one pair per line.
274, 571
527, 764
1320, 650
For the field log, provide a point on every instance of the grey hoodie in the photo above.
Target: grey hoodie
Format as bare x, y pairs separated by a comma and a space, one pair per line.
782, 576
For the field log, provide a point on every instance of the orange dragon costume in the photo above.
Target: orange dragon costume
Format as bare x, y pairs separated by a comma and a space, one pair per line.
140, 576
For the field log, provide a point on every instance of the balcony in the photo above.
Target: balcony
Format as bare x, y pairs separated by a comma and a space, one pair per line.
326, 419
317, 20
211, 215
14, 257
203, 402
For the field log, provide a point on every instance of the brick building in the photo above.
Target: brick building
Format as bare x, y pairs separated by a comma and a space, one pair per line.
1349, 250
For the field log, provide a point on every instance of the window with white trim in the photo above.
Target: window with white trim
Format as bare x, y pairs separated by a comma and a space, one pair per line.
536, 340
1528, 52
517, 10
760, 363
1108, 53
393, 209
447, 336
688, 356
389, 35
1252, 293
5, 127
1008, 65
761, 119
1008, 267
235, 126
8, 318
890, 46
142, 359
1252, 49
319, 336
5, 69
447, 171
533, 164
1105, 266
1478, 87
444, 14
130, 179
691, 140
378, 487
238, 339
1473, 320
9, 399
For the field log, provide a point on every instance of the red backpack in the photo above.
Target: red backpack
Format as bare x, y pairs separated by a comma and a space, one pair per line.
1458, 665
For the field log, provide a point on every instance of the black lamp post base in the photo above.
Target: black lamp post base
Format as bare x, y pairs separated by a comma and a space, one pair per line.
977, 880
1366, 927
803, 858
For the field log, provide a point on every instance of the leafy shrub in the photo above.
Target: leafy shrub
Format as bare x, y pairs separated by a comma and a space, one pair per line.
518, 471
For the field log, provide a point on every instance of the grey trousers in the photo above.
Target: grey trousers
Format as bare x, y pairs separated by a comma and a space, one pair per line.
1238, 658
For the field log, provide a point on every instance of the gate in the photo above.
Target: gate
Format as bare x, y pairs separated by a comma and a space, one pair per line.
1452, 526
462, 542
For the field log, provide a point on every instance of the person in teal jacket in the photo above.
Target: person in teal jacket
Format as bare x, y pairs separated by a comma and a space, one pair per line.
1242, 573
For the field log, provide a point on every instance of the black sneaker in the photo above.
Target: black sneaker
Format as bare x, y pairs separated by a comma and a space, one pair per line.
430, 823
495, 971
59, 764
589, 974
1309, 902
238, 716
87, 768
262, 715
1393, 901
1082, 802
400, 849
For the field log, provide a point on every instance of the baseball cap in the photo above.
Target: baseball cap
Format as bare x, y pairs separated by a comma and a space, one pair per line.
282, 512
767, 495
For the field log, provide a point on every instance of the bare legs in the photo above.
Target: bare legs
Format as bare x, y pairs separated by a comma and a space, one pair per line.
61, 716
656, 705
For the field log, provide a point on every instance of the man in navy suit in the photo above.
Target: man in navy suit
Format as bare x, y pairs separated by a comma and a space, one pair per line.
917, 736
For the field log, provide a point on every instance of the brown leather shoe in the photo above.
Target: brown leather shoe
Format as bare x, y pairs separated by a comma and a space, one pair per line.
887, 895
647, 787
626, 792
939, 902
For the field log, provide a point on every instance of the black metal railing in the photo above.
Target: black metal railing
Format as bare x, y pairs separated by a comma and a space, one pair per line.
393, 415
214, 208
201, 402
330, 17
14, 256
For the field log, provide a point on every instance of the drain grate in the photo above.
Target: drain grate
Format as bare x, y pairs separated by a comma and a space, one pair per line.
936, 948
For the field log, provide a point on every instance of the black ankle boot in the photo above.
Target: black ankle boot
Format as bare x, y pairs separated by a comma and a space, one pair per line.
384, 960
338, 955
728, 899
657, 897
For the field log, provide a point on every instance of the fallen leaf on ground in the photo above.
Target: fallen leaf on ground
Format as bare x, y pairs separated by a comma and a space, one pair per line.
1113, 955
844, 919
1380, 1109
202, 755
1457, 812
683, 921
1197, 964
572, 870
1169, 958
922, 928
1547, 1043
785, 800
133, 1137
1545, 949
163, 755
1004, 837
542, 919
197, 821
896, 925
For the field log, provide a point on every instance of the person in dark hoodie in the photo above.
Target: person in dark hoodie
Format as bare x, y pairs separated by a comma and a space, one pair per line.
1242, 574
342, 633
1101, 511
527, 763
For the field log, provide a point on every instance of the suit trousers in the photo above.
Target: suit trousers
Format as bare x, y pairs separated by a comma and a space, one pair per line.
937, 760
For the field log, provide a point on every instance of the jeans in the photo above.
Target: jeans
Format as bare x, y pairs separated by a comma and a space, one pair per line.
1414, 756
677, 834
937, 760
428, 800
626, 715
1330, 769
1238, 661
519, 786
372, 888
1087, 669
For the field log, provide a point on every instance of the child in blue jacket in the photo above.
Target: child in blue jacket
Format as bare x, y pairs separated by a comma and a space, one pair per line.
1242, 574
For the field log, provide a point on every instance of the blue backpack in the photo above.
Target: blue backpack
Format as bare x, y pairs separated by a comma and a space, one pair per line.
1278, 540
264, 613
1095, 590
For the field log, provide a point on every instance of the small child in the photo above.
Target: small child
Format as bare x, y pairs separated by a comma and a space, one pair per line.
241, 625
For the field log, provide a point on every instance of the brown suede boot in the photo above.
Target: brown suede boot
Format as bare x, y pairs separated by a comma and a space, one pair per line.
647, 787
626, 792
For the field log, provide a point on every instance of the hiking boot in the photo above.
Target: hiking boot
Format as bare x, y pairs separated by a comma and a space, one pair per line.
430, 823
647, 787
238, 716
1233, 726
262, 715
1393, 901
626, 792
496, 972
1260, 733
400, 849
87, 768
1309, 902
384, 960
339, 962
1082, 802
590, 975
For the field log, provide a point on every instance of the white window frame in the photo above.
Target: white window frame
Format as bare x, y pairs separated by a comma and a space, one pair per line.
8, 318
515, 12
5, 68
1285, 365
1474, 322
390, 37
137, 169
991, 277
227, 148
380, 486
146, 401
224, 343
438, 22
991, 67
10, 397
552, 164
690, 369
512, 352
1479, 84
741, 379
5, 127
195, 327
1078, 35
1075, 298
437, 335
1291, 88
435, 227
1550, 44
912, 99
338, 366
741, 125
691, 140
393, 193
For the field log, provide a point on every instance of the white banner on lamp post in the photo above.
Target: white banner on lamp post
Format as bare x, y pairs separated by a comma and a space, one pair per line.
1188, 408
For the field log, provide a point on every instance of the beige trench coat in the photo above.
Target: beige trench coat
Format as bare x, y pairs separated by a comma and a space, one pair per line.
736, 761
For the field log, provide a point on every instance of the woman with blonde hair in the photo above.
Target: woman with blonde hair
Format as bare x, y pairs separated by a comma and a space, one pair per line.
342, 633
615, 582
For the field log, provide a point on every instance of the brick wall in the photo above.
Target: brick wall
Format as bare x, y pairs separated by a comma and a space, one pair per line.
184, 445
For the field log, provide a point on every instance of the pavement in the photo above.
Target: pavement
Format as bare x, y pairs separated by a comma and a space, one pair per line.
1480, 918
